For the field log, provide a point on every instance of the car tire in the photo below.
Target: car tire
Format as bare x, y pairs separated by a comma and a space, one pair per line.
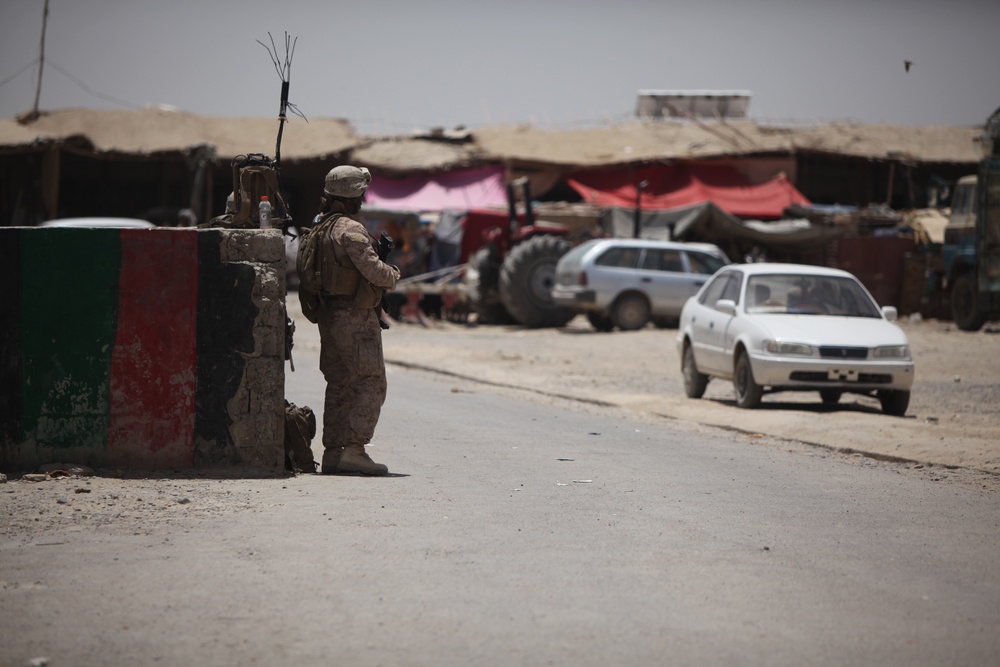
695, 383
748, 392
600, 322
830, 396
894, 401
630, 312
527, 277
965, 310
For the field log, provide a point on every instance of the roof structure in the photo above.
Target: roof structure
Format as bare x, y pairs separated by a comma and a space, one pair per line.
685, 140
153, 130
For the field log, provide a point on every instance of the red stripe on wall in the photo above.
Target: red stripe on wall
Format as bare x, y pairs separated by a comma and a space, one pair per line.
154, 361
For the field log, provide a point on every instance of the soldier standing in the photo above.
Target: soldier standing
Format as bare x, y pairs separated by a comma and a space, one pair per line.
351, 337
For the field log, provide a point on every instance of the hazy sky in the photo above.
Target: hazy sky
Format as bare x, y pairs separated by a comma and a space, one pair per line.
398, 65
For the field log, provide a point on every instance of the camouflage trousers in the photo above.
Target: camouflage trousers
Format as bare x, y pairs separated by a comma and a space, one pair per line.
351, 361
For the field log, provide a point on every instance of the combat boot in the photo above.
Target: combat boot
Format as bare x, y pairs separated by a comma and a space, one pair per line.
331, 460
355, 459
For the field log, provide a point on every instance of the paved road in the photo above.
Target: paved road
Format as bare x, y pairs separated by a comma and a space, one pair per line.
520, 533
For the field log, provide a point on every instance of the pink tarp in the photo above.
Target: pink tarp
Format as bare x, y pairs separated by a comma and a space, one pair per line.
686, 185
459, 190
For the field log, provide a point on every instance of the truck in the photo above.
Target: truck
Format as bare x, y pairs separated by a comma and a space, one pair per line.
971, 250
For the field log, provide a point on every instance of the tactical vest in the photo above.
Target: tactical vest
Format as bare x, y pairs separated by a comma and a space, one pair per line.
340, 277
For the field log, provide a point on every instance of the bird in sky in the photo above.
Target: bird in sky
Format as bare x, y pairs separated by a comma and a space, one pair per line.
907, 64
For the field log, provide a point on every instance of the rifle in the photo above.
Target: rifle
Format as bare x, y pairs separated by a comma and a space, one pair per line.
383, 246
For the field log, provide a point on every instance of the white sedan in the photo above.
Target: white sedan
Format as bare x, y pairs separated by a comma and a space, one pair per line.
780, 327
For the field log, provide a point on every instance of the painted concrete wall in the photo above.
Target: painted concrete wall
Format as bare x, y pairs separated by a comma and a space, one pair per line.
142, 348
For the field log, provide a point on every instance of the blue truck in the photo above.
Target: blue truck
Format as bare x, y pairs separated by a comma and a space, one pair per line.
971, 251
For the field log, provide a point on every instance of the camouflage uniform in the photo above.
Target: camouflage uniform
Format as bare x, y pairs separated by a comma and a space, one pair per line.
351, 356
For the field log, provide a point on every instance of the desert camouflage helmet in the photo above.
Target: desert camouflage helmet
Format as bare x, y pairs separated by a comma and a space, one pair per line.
347, 181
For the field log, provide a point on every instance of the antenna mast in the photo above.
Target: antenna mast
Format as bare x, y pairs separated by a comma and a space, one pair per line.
41, 60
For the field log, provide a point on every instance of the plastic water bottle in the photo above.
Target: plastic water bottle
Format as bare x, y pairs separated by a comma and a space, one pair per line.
265, 213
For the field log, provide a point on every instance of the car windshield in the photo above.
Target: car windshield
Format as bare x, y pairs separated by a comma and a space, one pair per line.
808, 295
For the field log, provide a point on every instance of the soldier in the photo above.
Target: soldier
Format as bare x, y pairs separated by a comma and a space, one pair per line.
351, 354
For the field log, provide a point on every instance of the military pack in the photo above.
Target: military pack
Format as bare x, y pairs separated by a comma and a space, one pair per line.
320, 273
300, 429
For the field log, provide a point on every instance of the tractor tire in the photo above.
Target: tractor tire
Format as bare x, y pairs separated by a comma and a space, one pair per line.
527, 277
485, 295
965, 308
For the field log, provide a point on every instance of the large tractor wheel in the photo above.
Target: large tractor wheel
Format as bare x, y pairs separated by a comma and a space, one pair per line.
527, 277
965, 304
485, 295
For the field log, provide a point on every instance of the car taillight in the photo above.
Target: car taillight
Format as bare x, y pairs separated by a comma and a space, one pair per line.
582, 281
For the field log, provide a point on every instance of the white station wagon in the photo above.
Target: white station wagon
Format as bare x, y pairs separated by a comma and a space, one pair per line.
780, 327
627, 283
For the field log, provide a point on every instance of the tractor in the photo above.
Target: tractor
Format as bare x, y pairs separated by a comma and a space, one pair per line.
510, 277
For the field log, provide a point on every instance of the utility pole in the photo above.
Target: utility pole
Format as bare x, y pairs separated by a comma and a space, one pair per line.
41, 60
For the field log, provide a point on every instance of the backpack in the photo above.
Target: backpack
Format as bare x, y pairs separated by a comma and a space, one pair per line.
319, 271
300, 429
308, 265
253, 177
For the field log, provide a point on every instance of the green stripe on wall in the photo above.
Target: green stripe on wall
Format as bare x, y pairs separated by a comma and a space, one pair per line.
69, 301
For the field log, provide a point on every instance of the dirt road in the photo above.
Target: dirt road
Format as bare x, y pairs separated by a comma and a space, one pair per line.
953, 420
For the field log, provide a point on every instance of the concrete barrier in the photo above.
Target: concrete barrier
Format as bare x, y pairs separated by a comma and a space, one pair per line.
142, 348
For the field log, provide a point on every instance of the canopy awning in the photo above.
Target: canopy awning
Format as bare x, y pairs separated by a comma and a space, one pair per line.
678, 186
457, 190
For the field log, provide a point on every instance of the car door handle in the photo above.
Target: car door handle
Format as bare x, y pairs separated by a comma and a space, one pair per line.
646, 280
711, 325
699, 283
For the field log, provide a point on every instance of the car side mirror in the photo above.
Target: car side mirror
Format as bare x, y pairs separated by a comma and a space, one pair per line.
727, 306
890, 313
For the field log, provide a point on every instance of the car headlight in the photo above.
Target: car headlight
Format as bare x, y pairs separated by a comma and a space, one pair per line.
892, 352
786, 347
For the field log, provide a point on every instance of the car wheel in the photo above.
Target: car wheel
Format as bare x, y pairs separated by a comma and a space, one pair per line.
694, 382
830, 396
894, 401
631, 312
600, 322
748, 392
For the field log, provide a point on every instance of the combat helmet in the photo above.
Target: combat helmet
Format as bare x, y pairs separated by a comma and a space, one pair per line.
347, 181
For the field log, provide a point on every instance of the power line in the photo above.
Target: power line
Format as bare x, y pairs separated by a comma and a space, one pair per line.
89, 90
19, 72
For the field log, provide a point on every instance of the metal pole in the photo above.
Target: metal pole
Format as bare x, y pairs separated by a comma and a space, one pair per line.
637, 221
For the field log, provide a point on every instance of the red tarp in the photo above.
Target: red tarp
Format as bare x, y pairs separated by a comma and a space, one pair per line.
686, 185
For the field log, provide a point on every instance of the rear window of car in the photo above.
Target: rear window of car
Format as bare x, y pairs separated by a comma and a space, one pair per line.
625, 258
663, 260
704, 263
